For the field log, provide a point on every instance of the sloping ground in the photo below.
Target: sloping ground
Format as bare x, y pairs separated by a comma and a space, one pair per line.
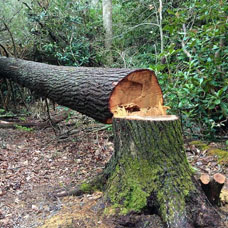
34, 164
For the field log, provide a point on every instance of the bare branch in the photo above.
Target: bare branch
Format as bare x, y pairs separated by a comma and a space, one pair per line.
4, 49
160, 25
12, 39
183, 44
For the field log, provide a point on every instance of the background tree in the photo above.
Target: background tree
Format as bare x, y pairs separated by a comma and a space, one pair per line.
107, 23
94, 3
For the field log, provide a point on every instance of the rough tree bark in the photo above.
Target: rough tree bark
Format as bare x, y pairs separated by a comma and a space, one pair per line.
149, 173
95, 92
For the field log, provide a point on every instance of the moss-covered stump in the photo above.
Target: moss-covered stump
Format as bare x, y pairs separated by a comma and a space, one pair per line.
149, 173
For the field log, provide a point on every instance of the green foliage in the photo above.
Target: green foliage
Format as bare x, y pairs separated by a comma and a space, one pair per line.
22, 128
192, 69
132, 43
64, 31
13, 15
2, 111
109, 128
196, 65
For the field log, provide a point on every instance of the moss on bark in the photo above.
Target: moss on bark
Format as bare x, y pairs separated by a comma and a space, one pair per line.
149, 171
149, 174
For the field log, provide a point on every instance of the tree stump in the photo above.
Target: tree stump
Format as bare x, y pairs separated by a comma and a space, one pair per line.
149, 173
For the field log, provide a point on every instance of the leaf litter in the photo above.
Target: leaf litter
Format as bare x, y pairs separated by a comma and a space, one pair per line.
35, 164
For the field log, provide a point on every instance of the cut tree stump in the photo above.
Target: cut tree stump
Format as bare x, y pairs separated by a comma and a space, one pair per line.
149, 173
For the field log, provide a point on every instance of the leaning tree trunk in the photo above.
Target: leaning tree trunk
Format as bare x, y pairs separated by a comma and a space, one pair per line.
149, 172
95, 92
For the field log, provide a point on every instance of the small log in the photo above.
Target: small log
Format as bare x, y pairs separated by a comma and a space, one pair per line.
216, 187
212, 187
205, 179
205, 184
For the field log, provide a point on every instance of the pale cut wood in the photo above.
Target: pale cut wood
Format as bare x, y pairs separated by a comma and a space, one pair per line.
205, 179
219, 178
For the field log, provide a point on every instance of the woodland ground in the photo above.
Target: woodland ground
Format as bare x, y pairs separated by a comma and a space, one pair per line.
35, 164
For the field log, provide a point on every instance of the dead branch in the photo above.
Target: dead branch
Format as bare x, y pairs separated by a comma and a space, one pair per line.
56, 120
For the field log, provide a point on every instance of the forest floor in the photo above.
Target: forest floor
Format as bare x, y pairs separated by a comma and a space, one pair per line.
35, 164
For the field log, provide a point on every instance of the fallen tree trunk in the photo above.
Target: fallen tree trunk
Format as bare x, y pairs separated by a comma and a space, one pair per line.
95, 92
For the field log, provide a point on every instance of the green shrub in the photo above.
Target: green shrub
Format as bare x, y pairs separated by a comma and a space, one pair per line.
196, 86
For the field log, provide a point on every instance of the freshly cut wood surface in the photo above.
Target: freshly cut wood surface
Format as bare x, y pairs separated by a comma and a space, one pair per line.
151, 118
205, 178
219, 178
138, 95
212, 187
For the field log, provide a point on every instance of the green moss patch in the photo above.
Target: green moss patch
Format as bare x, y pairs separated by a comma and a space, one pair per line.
86, 187
129, 190
201, 145
221, 154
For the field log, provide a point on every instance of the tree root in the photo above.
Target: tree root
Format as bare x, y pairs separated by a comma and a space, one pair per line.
96, 184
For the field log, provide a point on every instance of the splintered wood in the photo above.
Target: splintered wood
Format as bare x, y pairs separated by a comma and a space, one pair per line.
139, 94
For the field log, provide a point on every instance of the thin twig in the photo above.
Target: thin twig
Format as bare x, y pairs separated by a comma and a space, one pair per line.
130, 29
4, 49
184, 46
49, 116
12, 39
160, 25
13, 94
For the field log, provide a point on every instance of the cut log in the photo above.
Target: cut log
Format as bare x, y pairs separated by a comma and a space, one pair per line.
216, 187
205, 179
95, 92
212, 187
149, 173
